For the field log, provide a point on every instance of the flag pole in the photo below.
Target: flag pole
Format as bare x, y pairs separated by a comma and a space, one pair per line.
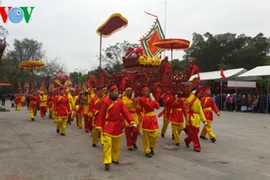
165, 22
221, 96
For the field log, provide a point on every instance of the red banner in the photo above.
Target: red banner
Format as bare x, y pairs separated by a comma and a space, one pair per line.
6, 84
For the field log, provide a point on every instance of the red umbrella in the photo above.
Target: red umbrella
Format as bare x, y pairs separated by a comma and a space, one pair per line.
172, 43
114, 23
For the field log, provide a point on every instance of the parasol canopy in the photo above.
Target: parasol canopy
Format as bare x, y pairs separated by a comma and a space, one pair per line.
171, 44
115, 22
31, 64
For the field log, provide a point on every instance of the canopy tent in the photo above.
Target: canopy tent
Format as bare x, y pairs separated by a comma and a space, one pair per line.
215, 75
258, 72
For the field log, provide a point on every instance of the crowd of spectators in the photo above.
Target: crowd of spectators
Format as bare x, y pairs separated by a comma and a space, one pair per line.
242, 102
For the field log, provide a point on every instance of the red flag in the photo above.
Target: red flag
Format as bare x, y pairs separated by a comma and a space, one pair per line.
195, 69
222, 74
123, 83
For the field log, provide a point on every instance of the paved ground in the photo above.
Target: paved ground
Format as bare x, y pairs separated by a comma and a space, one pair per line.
33, 151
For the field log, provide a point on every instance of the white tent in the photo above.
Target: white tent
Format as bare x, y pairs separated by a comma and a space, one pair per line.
258, 72
215, 75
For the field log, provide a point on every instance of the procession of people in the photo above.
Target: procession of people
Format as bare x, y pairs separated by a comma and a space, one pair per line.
106, 113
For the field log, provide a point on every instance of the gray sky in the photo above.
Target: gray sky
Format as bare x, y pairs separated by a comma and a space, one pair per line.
67, 28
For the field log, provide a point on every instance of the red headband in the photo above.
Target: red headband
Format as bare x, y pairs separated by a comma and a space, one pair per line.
112, 88
145, 88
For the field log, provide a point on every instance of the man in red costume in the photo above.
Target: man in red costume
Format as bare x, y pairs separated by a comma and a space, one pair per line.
168, 99
42, 103
50, 104
194, 116
94, 109
208, 105
178, 112
149, 121
85, 110
110, 122
18, 102
62, 110
131, 132
33, 104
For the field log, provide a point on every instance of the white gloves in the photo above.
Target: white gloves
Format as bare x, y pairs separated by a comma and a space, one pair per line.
151, 96
134, 125
133, 95
176, 96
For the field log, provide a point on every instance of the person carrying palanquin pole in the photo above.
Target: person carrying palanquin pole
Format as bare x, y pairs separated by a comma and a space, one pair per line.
50, 105
131, 132
110, 123
71, 105
54, 99
193, 119
177, 114
94, 107
79, 107
85, 110
42, 103
149, 121
34, 98
208, 105
18, 102
104, 91
74, 110
168, 99
91, 95
62, 110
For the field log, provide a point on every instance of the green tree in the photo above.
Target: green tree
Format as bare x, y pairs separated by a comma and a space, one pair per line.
178, 66
26, 49
228, 51
113, 55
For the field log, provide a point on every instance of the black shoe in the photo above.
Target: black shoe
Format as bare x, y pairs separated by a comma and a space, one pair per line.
172, 137
149, 155
162, 135
69, 123
177, 144
213, 140
57, 131
135, 146
86, 131
94, 145
202, 137
62, 134
197, 150
107, 167
32, 119
152, 151
130, 149
115, 162
187, 144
